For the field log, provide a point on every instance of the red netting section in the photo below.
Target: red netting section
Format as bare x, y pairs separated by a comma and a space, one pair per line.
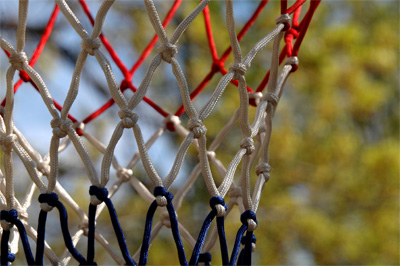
293, 40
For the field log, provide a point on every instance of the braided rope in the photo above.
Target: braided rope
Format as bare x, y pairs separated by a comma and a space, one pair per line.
67, 129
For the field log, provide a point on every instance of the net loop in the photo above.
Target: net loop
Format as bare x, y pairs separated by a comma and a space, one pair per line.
162, 196
128, 118
263, 169
60, 127
48, 201
172, 121
248, 144
217, 203
249, 219
272, 99
196, 126
284, 19
97, 195
90, 45
8, 219
293, 61
217, 66
168, 51
205, 258
239, 69
18, 60
7, 141
124, 174
43, 167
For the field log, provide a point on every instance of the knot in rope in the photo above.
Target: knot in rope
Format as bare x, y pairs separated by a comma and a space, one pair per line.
239, 69
60, 127
128, 118
291, 34
124, 174
168, 51
17, 60
171, 121
294, 62
196, 126
249, 219
285, 19
48, 201
235, 192
7, 141
264, 169
162, 196
11, 257
8, 219
217, 66
164, 218
217, 203
205, 258
272, 98
248, 144
90, 45
97, 194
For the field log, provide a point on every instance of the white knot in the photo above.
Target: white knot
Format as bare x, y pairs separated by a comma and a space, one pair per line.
161, 201
248, 144
284, 19
292, 61
251, 225
239, 69
90, 45
95, 200
6, 226
264, 169
128, 118
220, 210
164, 218
168, 51
18, 60
60, 127
7, 141
45, 207
235, 192
124, 174
272, 99
79, 125
196, 126
211, 154
256, 96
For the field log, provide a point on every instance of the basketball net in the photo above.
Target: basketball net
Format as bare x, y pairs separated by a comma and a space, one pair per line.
69, 132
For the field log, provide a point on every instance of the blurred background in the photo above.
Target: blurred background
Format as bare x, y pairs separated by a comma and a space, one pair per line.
333, 196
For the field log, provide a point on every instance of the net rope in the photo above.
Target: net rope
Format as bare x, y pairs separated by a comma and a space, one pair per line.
68, 131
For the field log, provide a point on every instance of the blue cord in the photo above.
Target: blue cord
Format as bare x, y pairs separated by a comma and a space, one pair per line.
11, 216
204, 229
4, 246
242, 253
222, 240
102, 194
91, 234
161, 191
205, 258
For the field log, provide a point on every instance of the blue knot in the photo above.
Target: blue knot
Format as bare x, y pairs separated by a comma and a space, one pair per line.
162, 191
217, 200
11, 257
248, 215
49, 198
100, 192
10, 216
253, 239
204, 257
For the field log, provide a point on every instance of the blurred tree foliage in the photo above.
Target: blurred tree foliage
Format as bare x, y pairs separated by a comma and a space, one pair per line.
333, 197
